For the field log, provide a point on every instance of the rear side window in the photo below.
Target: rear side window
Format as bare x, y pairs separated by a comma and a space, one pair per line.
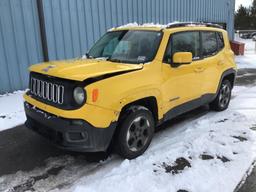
209, 43
183, 42
220, 40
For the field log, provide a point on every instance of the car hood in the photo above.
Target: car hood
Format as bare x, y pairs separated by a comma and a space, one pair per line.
81, 69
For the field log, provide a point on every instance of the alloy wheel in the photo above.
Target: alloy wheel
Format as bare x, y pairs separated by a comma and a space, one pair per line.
224, 96
138, 133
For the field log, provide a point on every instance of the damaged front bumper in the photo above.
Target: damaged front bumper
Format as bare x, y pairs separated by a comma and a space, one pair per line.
70, 134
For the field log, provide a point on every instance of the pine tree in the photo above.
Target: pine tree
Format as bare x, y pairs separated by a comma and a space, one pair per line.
243, 18
253, 14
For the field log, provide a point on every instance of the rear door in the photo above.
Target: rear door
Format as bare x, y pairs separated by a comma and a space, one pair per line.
213, 57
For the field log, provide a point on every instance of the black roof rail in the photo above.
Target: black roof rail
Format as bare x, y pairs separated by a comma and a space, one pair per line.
185, 24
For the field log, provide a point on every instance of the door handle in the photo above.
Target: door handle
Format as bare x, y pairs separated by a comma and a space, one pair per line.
199, 69
221, 62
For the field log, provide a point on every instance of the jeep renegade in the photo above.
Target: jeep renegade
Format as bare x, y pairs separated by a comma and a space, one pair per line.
132, 80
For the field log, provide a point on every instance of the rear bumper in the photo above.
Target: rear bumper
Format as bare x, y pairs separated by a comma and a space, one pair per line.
69, 134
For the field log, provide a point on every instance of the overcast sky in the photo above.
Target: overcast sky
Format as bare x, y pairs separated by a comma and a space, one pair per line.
243, 2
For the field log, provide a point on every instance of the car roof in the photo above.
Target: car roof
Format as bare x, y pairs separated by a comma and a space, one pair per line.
180, 26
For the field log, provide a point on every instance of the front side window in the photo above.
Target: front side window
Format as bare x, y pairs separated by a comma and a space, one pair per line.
209, 42
183, 42
127, 46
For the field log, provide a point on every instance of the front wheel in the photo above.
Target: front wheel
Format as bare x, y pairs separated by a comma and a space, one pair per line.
222, 100
135, 132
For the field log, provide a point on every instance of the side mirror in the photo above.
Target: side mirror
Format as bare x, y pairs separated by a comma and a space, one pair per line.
182, 58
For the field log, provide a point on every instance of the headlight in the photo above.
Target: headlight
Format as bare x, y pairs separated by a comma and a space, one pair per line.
79, 95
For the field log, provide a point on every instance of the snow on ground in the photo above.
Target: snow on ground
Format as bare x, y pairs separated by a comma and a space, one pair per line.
246, 61
11, 110
249, 43
249, 59
212, 153
207, 153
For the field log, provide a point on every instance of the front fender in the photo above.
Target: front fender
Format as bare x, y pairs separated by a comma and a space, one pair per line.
135, 95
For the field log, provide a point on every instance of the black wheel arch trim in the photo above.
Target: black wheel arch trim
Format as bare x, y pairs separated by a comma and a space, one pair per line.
149, 102
225, 74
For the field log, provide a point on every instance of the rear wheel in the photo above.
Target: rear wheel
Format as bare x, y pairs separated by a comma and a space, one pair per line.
135, 132
222, 100
254, 37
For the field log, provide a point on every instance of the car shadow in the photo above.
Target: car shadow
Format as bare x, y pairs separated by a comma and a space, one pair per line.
24, 150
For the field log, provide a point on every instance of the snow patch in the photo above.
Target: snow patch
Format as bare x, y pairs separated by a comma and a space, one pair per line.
11, 110
248, 60
249, 43
135, 24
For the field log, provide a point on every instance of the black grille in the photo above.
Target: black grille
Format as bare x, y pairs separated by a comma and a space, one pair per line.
52, 90
47, 90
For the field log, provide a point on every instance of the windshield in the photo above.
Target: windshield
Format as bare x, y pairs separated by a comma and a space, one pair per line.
127, 46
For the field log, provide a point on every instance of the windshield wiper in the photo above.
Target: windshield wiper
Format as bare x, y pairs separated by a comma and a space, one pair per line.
89, 56
115, 60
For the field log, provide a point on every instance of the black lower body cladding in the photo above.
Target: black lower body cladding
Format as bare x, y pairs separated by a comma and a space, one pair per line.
72, 135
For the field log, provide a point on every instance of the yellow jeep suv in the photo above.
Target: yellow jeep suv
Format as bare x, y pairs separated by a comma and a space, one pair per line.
132, 80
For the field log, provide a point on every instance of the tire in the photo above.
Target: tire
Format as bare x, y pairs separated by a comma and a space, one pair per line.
135, 132
254, 37
221, 102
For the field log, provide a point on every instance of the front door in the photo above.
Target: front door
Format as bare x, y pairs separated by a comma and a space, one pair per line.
182, 84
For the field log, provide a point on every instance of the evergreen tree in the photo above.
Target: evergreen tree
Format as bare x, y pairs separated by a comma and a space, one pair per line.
253, 14
243, 18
